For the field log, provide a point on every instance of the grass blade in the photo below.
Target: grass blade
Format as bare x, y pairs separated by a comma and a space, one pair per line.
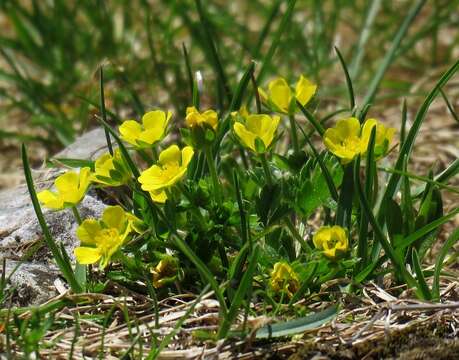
299, 325
155, 352
277, 36
410, 239
379, 234
423, 288
204, 271
370, 171
350, 88
453, 238
323, 167
316, 124
242, 290
450, 107
411, 136
64, 266
102, 110
370, 16
213, 50
392, 52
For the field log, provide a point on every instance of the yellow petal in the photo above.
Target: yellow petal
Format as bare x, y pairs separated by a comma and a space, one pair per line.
103, 165
114, 217
151, 179
321, 237
348, 127
280, 94
331, 253
304, 90
88, 230
187, 155
86, 255
151, 135
269, 128
247, 138
170, 155
154, 119
130, 131
50, 200
67, 186
176, 177
84, 181
211, 118
159, 197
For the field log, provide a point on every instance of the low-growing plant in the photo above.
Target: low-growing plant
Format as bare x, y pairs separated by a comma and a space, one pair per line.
236, 204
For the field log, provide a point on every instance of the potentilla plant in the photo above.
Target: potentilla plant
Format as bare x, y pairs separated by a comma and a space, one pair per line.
221, 206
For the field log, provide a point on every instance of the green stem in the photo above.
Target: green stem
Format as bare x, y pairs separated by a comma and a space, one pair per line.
80, 270
213, 174
297, 235
264, 163
76, 214
296, 146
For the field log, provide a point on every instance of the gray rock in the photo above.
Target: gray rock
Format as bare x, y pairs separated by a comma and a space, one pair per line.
21, 239
88, 146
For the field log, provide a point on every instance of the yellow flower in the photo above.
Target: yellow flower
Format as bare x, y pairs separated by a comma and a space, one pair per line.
344, 139
284, 278
242, 112
195, 118
171, 167
331, 240
383, 138
111, 170
100, 239
282, 98
71, 189
165, 272
259, 126
153, 128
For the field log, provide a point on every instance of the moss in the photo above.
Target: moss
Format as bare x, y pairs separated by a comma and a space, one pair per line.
432, 341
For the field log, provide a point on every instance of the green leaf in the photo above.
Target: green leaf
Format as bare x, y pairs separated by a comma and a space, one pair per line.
292, 327
73, 163
453, 238
315, 192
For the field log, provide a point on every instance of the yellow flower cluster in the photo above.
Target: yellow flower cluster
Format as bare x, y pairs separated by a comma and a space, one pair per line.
153, 129
170, 168
348, 139
332, 240
258, 131
100, 239
281, 98
71, 188
284, 278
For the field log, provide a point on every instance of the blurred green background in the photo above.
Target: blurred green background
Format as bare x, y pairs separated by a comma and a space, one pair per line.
51, 50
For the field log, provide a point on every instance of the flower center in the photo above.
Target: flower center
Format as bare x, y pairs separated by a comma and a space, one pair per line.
352, 143
169, 170
108, 239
